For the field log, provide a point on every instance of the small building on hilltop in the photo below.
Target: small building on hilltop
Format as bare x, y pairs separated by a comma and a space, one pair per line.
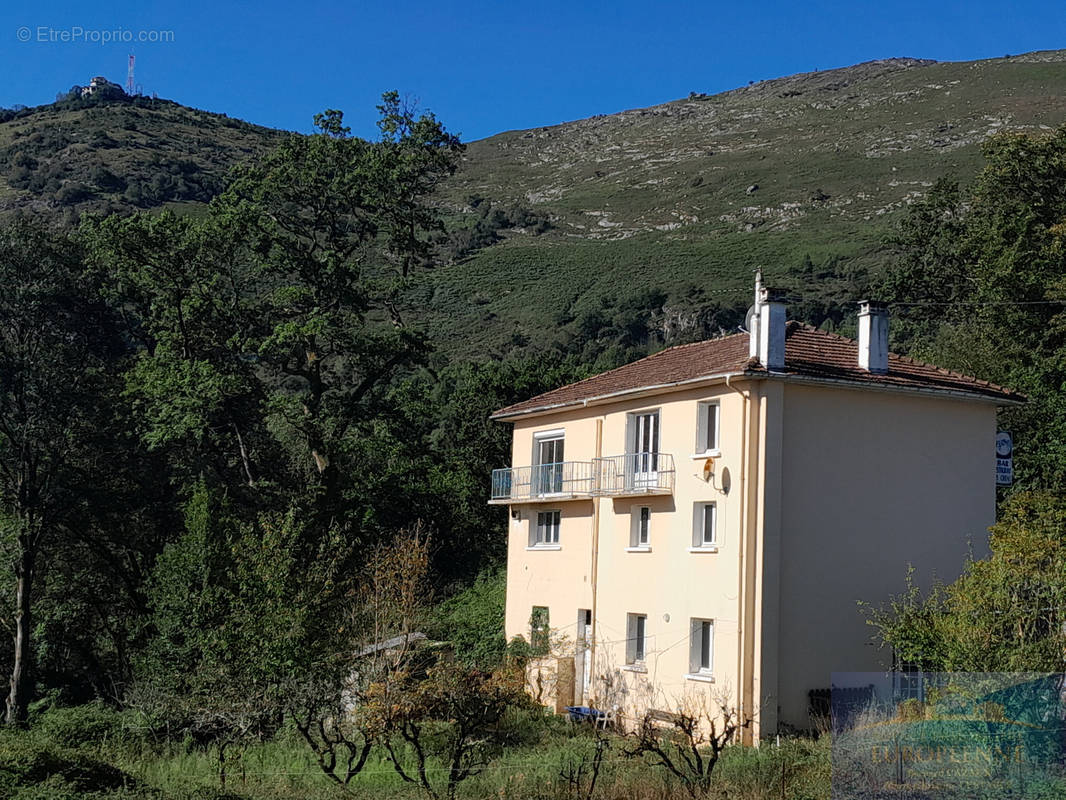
708, 518
102, 85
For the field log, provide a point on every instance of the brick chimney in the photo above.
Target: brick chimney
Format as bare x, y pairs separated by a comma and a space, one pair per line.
873, 336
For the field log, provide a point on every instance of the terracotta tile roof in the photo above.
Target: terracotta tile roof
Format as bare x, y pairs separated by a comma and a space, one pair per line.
810, 353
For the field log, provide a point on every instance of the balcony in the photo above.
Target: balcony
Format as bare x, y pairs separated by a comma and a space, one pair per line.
630, 475
634, 474
563, 480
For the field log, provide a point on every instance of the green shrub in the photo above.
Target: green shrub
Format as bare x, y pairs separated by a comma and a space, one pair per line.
92, 723
73, 192
473, 621
26, 760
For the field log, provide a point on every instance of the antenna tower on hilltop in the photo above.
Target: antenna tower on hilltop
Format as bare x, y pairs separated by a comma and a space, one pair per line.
129, 77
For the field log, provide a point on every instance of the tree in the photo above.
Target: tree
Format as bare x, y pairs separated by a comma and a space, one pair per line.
689, 743
453, 715
338, 226
55, 354
244, 612
473, 621
187, 296
441, 447
272, 328
330, 706
981, 287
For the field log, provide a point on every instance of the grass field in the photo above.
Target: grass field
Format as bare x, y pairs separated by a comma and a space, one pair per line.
92, 752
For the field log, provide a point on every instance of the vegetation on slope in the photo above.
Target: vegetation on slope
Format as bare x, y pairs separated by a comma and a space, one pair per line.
815, 168
807, 169
111, 153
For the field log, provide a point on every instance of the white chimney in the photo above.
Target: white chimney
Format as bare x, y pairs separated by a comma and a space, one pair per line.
753, 323
772, 328
873, 336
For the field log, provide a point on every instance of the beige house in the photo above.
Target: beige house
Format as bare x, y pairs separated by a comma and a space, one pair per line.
709, 517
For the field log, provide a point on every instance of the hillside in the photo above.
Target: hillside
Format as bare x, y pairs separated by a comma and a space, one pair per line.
659, 214
665, 197
119, 154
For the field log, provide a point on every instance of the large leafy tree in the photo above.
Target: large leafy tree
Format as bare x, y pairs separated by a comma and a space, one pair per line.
56, 350
272, 328
188, 299
337, 225
269, 333
981, 287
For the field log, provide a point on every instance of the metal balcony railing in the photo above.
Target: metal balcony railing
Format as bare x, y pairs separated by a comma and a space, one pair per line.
573, 478
631, 474
634, 474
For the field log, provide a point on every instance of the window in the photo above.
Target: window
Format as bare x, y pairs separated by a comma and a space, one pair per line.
548, 462
547, 530
636, 638
701, 647
909, 680
640, 533
642, 447
538, 630
705, 525
707, 427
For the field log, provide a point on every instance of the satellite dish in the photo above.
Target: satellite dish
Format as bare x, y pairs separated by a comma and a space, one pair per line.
747, 318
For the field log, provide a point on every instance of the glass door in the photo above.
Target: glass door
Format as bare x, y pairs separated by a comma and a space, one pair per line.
643, 457
549, 465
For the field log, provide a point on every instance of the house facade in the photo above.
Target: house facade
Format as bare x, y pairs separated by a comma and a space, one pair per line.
710, 517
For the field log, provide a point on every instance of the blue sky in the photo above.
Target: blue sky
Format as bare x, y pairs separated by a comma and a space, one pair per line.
482, 66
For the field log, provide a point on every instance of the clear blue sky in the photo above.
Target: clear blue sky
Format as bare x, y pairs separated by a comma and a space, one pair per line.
482, 66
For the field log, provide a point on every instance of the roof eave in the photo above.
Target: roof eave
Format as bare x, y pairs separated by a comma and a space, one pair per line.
958, 394
611, 397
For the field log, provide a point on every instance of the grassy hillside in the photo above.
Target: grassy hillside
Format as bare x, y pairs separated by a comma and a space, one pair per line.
665, 197
804, 176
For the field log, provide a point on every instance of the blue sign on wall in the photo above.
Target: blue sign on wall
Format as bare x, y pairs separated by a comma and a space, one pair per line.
1004, 459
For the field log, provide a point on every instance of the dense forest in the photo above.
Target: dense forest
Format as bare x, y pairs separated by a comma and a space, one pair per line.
232, 461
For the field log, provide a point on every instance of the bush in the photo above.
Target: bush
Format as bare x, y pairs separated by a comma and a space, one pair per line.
73, 727
71, 193
28, 761
473, 621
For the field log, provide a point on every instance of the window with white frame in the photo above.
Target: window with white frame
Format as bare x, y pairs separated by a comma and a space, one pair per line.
642, 448
640, 529
708, 427
546, 530
705, 525
548, 464
701, 647
909, 680
636, 638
